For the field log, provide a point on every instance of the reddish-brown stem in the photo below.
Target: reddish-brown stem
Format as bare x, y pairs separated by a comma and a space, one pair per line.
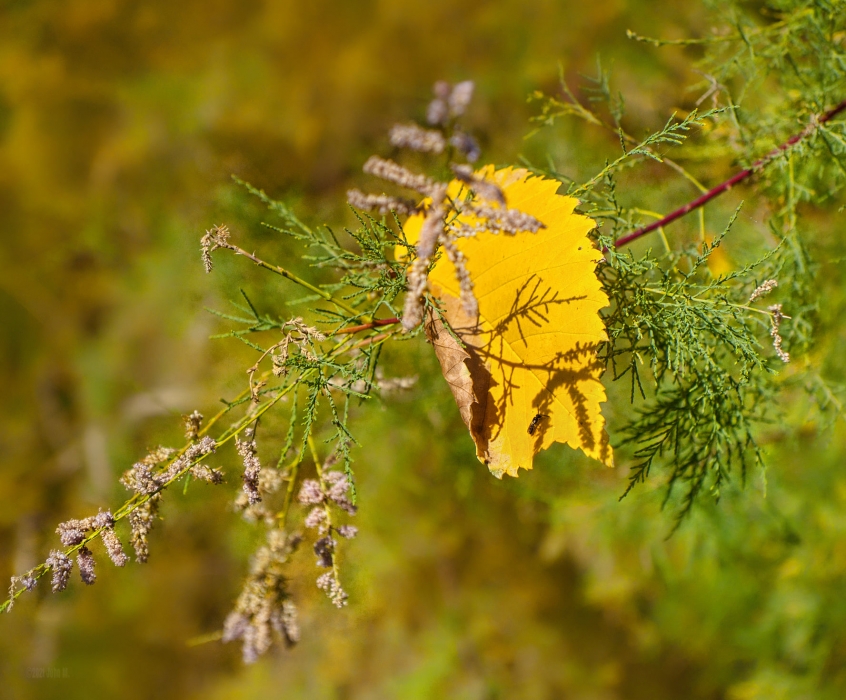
367, 326
732, 181
369, 341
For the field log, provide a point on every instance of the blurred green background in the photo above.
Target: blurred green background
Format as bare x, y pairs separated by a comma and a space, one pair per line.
120, 125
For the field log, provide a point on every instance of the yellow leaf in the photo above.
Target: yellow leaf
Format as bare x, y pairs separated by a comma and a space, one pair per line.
527, 375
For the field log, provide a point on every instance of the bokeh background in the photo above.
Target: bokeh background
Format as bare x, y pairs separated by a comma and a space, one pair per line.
120, 125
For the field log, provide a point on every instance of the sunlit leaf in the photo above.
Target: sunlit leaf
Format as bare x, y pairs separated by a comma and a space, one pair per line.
528, 374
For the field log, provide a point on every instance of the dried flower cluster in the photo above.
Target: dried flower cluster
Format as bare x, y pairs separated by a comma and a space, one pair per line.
381, 203
331, 489
776, 317
485, 211
76, 533
252, 466
298, 334
144, 480
417, 139
192, 423
763, 289
270, 481
140, 523
264, 608
450, 101
28, 581
216, 237
61, 565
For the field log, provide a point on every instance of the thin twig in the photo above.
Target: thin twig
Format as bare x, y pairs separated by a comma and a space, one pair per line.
291, 276
367, 326
732, 181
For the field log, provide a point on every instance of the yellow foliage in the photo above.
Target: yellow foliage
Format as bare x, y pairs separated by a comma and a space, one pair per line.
527, 375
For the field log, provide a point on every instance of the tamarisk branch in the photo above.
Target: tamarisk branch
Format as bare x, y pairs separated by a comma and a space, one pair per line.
732, 181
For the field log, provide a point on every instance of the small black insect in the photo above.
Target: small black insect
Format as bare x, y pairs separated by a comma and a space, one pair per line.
533, 426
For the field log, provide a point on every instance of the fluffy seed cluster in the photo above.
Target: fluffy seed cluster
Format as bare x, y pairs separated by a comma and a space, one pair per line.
85, 562
498, 220
317, 519
264, 610
465, 282
431, 233
145, 478
481, 187
73, 533
335, 490
390, 171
